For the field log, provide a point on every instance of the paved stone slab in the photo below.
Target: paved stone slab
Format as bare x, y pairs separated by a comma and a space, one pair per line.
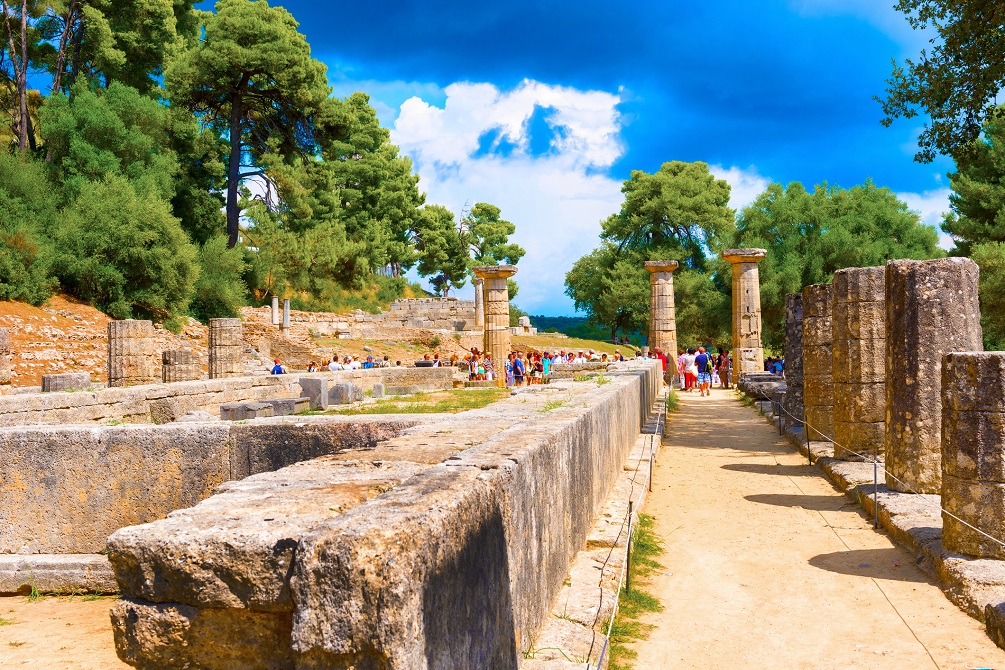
56, 573
66, 381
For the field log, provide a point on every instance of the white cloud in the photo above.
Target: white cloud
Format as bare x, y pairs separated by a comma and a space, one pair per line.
556, 200
745, 184
930, 206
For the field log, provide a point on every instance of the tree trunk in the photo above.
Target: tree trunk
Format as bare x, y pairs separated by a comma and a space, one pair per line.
22, 84
78, 42
64, 42
234, 173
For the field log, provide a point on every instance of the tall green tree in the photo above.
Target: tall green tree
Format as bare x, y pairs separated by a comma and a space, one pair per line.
442, 256
251, 77
487, 236
810, 235
955, 83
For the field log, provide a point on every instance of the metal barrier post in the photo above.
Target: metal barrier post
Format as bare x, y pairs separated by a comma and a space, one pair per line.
875, 491
651, 457
628, 554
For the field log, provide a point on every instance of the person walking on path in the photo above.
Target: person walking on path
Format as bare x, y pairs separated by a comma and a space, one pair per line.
703, 361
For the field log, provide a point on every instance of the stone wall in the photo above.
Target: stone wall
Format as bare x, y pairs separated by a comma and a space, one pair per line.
448, 555
793, 403
428, 313
67, 488
162, 403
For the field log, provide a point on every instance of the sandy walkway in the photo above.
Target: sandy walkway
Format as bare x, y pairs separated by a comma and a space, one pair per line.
768, 566
57, 633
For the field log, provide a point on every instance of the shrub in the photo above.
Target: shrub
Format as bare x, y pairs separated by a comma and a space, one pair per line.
220, 289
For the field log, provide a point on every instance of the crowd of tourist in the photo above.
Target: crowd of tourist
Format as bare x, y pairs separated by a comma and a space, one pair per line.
527, 368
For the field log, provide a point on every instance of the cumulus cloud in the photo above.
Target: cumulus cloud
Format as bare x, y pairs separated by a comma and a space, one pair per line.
930, 206
745, 184
556, 198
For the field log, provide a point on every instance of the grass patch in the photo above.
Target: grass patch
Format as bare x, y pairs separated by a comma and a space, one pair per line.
627, 628
673, 401
430, 402
744, 399
582, 378
550, 405
601, 380
6, 622
15, 644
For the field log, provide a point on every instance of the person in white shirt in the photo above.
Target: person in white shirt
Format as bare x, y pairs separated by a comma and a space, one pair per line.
334, 365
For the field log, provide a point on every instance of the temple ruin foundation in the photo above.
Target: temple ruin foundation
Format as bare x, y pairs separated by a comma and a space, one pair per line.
131, 353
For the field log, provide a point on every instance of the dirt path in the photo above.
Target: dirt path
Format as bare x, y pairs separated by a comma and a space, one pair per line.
768, 566
57, 633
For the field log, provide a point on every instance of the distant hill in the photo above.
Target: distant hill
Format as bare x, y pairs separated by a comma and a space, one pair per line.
579, 326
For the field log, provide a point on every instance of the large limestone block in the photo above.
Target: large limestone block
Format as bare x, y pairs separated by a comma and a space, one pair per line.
860, 284
316, 390
817, 330
818, 361
932, 309
66, 381
973, 446
817, 301
858, 441
979, 504
864, 402
974, 381
859, 361
172, 635
819, 423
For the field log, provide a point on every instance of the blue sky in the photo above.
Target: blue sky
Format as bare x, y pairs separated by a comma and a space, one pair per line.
544, 108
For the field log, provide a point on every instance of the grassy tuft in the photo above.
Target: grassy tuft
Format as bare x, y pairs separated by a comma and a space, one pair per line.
627, 628
673, 401
431, 402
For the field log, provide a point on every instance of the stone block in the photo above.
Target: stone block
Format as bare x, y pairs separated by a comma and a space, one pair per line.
859, 402
316, 390
166, 410
344, 394
196, 417
289, 406
5, 368
378, 391
242, 411
66, 381
818, 361
859, 361
974, 381
56, 573
973, 445
179, 365
861, 284
994, 623
980, 504
864, 439
820, 422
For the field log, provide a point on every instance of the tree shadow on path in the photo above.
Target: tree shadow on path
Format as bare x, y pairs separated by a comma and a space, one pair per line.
817, 503
774, 469
886, 563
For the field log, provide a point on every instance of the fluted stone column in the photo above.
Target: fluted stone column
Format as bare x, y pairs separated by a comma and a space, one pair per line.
859, 362
497, 334
132, 353
818, 362
931, 309
793, 404
662, 315
973, 452
479, 303
748, 356
179, 365
226, 348
276, 319
5, 371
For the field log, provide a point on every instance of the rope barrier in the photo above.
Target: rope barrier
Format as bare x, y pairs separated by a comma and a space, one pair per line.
625, 566
874, 459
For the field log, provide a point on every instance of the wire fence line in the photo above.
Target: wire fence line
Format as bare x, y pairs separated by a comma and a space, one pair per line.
877, 463
660, 421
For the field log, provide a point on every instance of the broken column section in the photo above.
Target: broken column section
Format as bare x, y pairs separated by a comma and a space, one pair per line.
859, 337
973, 453
179, 365
226, 348
131, 353
748, 356
793, 403
931, 309
497, 333
818, 363
662, 314
479, 303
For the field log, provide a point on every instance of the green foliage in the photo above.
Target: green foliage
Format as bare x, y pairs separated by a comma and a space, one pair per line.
487, 235
956, 82
441, 253
633, 603
579, 327
27, 214
125, 269
978, 197
219, 290
990, 256
810, 235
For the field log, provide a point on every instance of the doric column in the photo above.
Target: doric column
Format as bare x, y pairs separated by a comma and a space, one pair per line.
497, 332
131, 353
179, 365
5, 372
859, 362
286, 313
662, 316
818, 362
479, 303
973, 453
275, 311
226, 348
793, 404
748, 356
931, 309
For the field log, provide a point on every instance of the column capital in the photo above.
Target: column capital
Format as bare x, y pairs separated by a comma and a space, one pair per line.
744, 255
478, 280
494, 271
661, 266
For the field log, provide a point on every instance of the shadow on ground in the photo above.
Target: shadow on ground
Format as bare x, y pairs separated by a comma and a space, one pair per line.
776, 469
819, 503
888, 563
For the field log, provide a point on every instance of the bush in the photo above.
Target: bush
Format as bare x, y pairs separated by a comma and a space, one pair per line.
220, 289
27, 212
990, 256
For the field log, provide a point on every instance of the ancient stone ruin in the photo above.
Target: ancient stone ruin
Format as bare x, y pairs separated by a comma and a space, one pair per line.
748, 356
497, 330
818, 362
131, 352
662, 315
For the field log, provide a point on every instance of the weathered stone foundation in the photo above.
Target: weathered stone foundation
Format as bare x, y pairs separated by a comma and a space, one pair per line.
748, 356
226, 348
131, 353
931, 309
179, 365
818, 362
973, 453
859, 337
793, 403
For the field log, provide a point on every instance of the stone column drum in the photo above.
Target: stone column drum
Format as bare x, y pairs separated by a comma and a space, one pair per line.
497, 332
748, 356
226, 348
131, 353
973, 452
859, 336
286, 313
793, 404
479, 303
662, 315
179, 365
931, 309
5, 371
818, 363
275, 311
